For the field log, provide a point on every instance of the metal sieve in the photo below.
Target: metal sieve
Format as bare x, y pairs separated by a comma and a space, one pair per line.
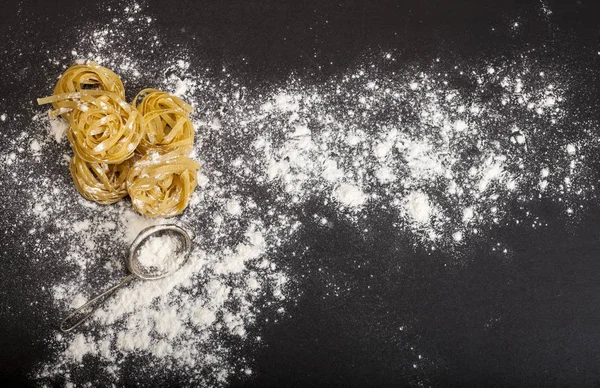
184, 246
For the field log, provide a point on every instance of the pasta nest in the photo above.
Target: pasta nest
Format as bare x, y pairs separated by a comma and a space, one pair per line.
161, 184
100, 182
165, 121
89, 76
103, 128
105, 132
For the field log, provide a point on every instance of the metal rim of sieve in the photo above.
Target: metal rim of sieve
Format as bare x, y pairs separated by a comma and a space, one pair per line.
148, 232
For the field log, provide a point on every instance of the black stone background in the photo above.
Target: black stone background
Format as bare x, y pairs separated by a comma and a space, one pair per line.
533, 320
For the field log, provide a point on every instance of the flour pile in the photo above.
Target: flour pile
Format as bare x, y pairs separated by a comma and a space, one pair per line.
160, 254
450, 150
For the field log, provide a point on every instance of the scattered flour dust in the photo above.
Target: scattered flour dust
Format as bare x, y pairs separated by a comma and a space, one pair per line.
58, 128
349, 195
449, 152
418, 207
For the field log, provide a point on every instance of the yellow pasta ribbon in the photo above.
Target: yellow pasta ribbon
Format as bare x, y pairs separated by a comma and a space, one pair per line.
103, 128
160, 185
88, 77
100, 182
166, 123
105, 132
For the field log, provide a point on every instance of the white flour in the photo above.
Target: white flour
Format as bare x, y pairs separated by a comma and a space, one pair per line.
349, 195
450, 163
418, 207
161, 254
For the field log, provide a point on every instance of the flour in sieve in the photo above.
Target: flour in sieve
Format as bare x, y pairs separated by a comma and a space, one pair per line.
160, 254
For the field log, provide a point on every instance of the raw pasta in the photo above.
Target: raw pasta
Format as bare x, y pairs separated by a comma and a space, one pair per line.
89, 76
166, 123
160, 185
109, 136
100, 182
102, 127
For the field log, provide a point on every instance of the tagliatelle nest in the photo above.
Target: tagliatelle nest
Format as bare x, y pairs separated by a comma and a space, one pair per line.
100, 182
89, 76
102, 127
166, 123
105, 132
160, 185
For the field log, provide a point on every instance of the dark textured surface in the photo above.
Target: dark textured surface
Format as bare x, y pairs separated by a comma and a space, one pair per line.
532, 320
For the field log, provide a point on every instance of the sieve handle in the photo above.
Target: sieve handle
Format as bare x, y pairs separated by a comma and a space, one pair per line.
92, 304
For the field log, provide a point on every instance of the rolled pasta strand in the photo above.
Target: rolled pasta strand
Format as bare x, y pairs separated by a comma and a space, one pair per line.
160, 185
166, 122
68, 102
89, 76
103, 128
100, 182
